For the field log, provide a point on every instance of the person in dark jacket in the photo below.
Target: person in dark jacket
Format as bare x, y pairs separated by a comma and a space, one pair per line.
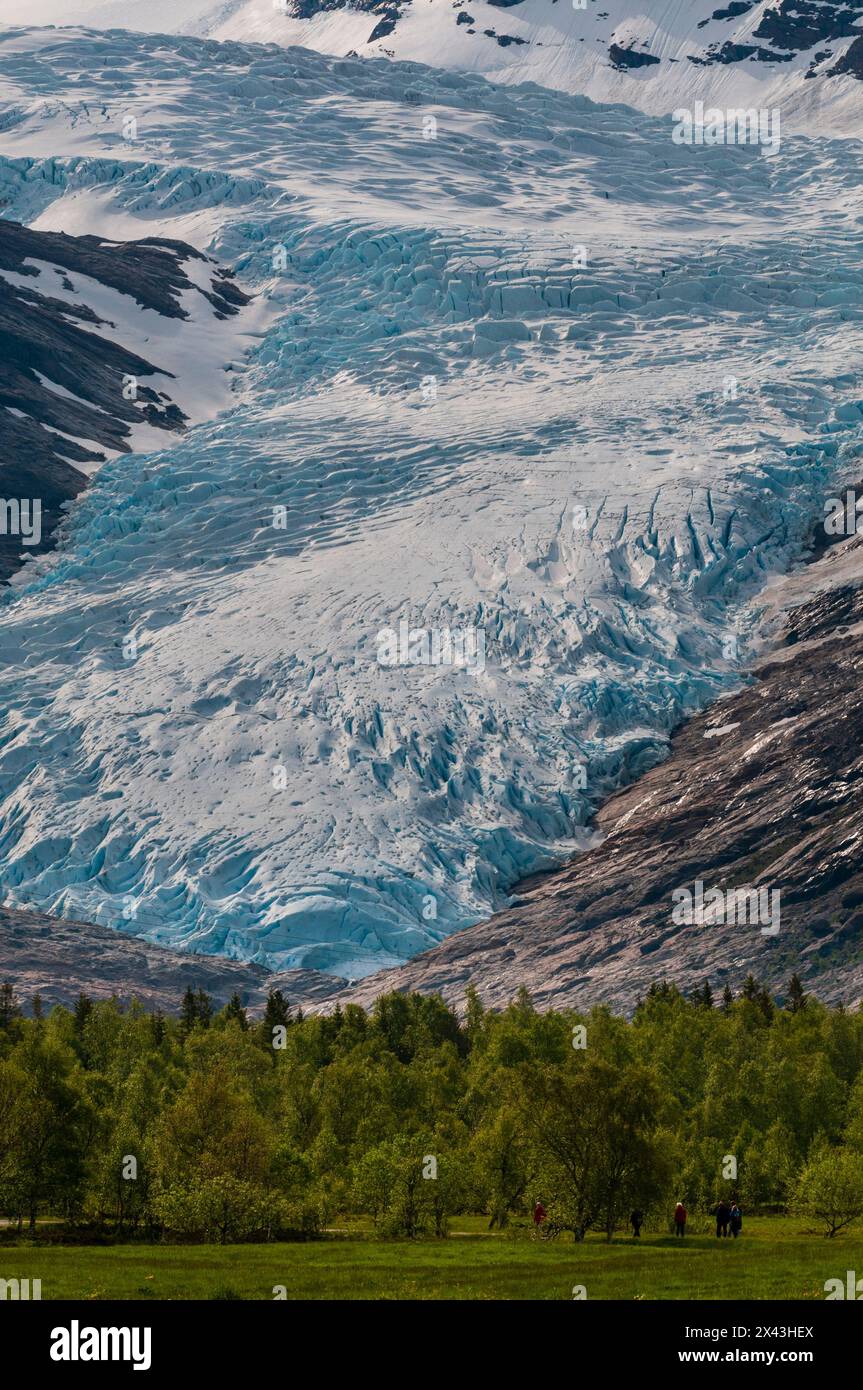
736, 1221
636, 1220
723, 1216
680, 1219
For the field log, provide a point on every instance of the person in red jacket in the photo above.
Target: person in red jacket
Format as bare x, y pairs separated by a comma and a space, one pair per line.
680, 1219
538, 1216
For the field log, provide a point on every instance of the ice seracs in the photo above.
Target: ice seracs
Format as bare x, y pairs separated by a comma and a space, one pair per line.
594, 393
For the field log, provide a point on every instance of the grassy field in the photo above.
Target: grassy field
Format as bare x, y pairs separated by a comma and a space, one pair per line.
777, 1257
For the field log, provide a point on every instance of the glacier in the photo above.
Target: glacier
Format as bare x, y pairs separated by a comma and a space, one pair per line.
805, 56
526, 367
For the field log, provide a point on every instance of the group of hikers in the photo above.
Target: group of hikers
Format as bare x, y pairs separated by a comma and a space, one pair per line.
729, 1219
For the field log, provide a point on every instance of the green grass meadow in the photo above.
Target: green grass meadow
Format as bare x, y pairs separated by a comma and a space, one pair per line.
776, 1258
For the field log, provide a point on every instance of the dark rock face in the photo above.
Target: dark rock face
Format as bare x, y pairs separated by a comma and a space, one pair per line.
59, 960
732, 11
390, 12
623, 58
784, 29
150, 270
739, 52
763, 790
307, 9
46, 343
790, 27
50, 481
851, 63
797, 24
503, 39
384, 26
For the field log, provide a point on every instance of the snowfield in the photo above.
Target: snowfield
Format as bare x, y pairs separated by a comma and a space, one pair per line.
804, 56
527, 368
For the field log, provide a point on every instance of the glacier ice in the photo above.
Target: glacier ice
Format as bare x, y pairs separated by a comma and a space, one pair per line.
766, 53
450, 421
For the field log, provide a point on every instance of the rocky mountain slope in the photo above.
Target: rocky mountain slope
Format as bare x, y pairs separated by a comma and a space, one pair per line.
764, 789
58, 960
802, 56
81, 320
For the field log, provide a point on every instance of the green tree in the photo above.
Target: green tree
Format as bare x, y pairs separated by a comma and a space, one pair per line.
51, 1128
474, 1016
203, 1008
830, 1188
219, 1208
234, 1012
188, 1010
277, 1013
400, 1185
595, 1127
9, 1009
83, 1009
504, 1164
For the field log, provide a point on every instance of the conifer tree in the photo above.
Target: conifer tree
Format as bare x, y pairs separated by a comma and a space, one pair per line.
83, 1010
8, 1004
523, 1001
203, 1008
277, 1013
474, 1015
702, 996
765, 1004
797, 996
188, 1011
234, 1011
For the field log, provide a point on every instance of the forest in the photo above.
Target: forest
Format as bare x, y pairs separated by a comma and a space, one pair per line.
120, 1124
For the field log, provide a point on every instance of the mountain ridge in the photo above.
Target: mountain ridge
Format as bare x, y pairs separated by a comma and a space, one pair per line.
805, 56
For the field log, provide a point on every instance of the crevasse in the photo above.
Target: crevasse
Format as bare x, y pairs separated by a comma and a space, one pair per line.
515, 381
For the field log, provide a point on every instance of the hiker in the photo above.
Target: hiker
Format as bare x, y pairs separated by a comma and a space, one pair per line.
723, 1216
635, 1221
538, 1216
736, 1221
680, 1219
